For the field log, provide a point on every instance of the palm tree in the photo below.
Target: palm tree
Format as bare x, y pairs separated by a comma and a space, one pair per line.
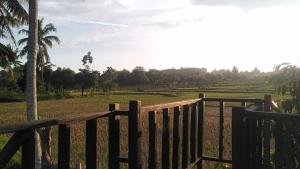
31, 91
45, 41
12, 14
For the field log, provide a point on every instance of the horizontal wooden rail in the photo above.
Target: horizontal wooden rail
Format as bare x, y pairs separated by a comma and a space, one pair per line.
169, 105
52, 122
232, 99
216, 159
27, 125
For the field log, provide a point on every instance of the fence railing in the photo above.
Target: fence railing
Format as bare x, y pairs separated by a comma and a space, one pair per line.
265, 139
186, 148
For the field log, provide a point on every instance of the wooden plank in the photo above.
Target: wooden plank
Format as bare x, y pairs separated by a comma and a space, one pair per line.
254, 163
11, 128
152, 140
169, 105
113, 138
12, 146
279, 145
64, 146
267, 134
214, 159
252, 100
200, 131
28, 151
237, 123
165, 140
185, 136
91, 144
193, 133
176, 138
221, 130
244, 104
134, 135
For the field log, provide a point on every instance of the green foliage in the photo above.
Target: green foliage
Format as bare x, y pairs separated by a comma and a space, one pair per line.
287, 80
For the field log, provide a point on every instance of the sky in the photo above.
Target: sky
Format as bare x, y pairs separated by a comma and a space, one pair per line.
160, 34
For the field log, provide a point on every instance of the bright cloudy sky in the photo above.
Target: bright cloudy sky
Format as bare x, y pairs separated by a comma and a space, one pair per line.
175, 33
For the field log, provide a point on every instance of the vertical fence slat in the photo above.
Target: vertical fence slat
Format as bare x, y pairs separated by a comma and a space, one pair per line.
165, 140
200, 131
244, 104
221, 130
253, 142
259, 136
114, 138
28, 152
267, 134
237, 123
185, 136
64, 146
91, 144
279, 145
152, 140
193, 133
176, 138
134, 135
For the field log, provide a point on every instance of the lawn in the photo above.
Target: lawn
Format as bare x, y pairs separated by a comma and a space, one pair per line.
15, 112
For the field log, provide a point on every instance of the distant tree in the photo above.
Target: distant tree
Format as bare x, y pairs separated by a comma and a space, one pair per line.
108, 78
123, 77
138, 76
87, 60
154, 76
87, 78
286, 77
63, 79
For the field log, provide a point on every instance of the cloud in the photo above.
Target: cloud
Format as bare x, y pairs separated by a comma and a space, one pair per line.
88, 22
243, 3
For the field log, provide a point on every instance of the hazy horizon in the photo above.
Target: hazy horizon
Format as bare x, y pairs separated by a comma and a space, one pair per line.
175, 33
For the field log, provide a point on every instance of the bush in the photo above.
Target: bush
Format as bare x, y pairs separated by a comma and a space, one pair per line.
11, 96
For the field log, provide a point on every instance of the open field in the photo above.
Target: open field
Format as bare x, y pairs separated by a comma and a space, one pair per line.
15, 112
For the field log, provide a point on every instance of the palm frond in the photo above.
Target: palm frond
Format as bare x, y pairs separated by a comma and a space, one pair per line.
14, 7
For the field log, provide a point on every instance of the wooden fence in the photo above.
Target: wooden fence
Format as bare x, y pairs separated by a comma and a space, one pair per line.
191, 154
265, 139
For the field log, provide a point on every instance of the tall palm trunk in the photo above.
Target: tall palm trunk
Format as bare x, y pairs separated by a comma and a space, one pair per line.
31, 91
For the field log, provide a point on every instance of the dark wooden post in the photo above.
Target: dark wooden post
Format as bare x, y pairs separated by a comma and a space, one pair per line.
185, 136
152, 140
200, 134
221, 131
91, 144
176, 138
193, 133
28, 151
134, 135
267, 134
64, 146
165, 140
237, 149
114, 138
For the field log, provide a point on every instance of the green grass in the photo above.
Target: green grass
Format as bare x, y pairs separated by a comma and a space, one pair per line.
15, 112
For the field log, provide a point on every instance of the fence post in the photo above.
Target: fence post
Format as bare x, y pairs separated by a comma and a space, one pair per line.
28, 152
152, 140
237, 149
91, 144
267, 133
114, 138
64, 146
134, 135
165, 140
200, 134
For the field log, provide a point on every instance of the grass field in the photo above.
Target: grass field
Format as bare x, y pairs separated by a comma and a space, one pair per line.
15, 112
